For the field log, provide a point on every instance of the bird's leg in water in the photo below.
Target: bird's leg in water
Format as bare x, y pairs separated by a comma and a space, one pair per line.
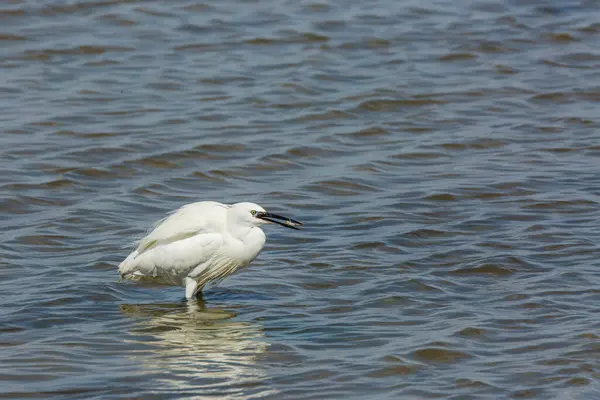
190, 287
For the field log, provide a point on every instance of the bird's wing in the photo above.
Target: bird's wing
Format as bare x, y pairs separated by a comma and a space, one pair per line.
172, 262
184, 239
189, 220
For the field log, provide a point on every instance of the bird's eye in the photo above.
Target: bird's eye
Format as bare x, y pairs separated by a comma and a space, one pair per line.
253, 212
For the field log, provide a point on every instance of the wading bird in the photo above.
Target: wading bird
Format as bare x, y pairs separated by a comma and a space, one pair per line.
200, 243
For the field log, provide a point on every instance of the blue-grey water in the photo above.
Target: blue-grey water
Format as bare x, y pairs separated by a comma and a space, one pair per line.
444, 155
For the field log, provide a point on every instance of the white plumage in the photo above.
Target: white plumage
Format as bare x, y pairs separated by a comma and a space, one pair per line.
200, 243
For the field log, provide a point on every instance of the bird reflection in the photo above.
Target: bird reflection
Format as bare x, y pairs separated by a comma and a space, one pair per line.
197, 350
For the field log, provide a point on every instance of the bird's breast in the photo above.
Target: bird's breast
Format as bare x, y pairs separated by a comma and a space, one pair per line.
250, 245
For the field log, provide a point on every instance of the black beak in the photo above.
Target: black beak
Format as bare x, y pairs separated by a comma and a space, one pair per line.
278, 219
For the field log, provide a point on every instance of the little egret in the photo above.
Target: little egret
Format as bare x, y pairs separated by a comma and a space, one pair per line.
200, 243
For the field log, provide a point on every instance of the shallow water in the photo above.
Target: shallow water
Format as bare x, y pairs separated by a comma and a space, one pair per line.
443, 155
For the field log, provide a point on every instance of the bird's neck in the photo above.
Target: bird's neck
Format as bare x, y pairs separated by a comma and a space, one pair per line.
246, 234
252, 237
238, 231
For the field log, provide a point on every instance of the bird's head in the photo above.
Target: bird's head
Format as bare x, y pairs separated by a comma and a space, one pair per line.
254, 215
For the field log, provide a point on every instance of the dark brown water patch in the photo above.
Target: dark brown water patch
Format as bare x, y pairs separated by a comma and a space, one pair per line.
487, 196
289, 37
552, 97
457, 57
440, 356
548, 129
305, 37
198, 8
153, 162
215, 98
57, 184
131, 112
313, 152
525, 394
238, 172
366, 43
9, 37
578, 381
557, 361
369, 168
101, 63
14, 12
377, 43
574, 121
559, 150
79, 50
55, 10
393, 105
369, 132
561, 37
317, 7
166, 85
319, 265
222, 147
428, 233
87, 135
46, 123
419, 155
592, 95
472, 332
441, 197
379, 246
492, 47
484, 269
469, 383
260, 41
43, 240
97, 153
505, 70
341, 187
25, 202
285, 106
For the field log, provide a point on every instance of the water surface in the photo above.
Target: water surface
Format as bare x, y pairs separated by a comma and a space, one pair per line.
443, 155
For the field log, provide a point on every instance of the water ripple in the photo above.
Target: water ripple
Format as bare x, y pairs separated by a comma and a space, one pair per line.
442, 156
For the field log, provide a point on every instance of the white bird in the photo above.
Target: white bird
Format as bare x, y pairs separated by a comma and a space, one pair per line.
200, 243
